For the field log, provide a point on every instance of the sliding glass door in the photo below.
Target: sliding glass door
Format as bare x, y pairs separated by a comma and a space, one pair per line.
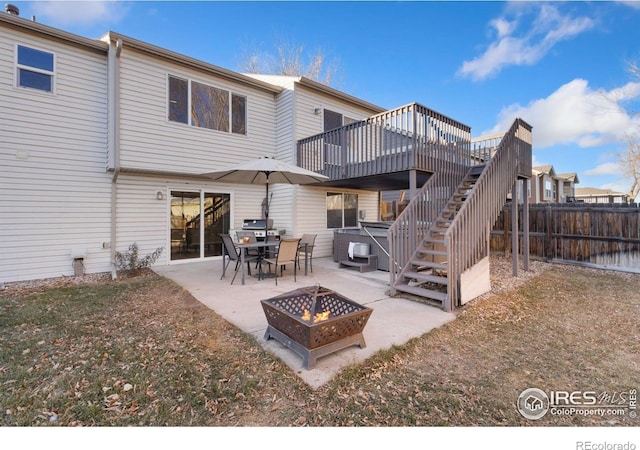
197, 220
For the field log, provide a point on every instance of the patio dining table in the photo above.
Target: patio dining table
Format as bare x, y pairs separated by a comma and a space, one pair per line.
260, 245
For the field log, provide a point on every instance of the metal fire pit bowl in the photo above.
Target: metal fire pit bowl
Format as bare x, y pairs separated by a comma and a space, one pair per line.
311, 340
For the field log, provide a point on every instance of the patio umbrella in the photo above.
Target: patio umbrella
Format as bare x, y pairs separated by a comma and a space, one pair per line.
266, 171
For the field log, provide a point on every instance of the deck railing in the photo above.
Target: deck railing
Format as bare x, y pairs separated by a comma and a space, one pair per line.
467, 237
409, 137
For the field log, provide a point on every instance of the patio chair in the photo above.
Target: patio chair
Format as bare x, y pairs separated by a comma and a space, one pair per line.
234, 255
287, 254
250, 251
310, 240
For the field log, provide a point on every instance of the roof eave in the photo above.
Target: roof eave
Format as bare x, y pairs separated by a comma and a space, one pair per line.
191, 62
33, 27
307, 82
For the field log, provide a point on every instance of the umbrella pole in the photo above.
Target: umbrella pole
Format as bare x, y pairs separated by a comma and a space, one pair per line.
266, 213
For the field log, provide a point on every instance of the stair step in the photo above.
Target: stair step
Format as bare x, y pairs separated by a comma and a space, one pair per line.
432, 252
429, 264
420, 292
425, 277
433, 240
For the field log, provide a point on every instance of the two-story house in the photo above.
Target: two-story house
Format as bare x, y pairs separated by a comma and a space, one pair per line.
546, 186
107, 142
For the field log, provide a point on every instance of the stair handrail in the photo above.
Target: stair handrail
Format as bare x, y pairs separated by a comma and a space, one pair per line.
467, 235
413, 223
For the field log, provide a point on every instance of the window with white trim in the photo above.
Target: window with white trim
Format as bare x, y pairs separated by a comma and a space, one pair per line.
35, 69
547, 190
342, 210
205, 106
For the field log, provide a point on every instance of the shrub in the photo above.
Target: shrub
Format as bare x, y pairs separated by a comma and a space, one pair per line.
130, 263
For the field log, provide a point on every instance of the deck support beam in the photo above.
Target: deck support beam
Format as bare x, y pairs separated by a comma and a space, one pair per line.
514, 227
525, 224
413, 184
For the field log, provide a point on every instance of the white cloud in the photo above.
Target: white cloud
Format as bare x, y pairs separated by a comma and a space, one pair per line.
548, 28
632, 3
609, 168
66, 13
535, 162
576, 114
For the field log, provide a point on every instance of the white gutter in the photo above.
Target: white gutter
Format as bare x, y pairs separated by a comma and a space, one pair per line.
114, 140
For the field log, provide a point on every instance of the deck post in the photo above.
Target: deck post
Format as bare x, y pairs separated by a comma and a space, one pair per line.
514, 227
413, 189
525, 224
413, 184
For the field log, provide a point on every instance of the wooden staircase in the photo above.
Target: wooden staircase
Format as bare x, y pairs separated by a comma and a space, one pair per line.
426, 275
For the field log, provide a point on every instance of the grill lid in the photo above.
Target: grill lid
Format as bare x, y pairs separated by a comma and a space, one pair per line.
254, 224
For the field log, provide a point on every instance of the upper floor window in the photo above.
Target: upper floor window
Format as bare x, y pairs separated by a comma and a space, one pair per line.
334, 120
35, 68
205, 106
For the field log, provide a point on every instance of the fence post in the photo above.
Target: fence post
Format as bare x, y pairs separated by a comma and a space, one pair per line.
548, 242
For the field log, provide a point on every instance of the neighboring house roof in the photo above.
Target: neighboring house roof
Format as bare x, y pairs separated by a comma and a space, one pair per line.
569, 177
548, 170
589, 191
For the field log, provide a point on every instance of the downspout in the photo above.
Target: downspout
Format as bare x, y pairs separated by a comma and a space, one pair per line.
114, 141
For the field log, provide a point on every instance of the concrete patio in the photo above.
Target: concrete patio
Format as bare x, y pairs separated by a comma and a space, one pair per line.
394, 321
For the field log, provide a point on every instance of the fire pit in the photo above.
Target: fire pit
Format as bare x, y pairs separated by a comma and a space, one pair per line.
314, 322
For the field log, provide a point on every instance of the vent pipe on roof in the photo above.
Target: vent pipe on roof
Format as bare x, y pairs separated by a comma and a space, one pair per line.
12, 9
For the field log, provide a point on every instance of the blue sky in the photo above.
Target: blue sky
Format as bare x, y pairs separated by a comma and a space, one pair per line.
561, 66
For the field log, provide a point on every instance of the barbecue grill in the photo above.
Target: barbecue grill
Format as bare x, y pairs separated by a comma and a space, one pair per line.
291, 322
261, 228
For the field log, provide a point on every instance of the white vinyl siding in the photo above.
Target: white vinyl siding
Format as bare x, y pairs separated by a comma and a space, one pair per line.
144, 219
310, 123
54, 191
149, 141
312, 214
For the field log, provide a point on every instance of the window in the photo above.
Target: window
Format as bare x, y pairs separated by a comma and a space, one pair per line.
204, 106
238, 114
342, 210
332, 120
547, 190
35, 69
209, 107
178, 100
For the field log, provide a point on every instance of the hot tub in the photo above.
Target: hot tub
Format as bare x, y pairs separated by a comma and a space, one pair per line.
373, 234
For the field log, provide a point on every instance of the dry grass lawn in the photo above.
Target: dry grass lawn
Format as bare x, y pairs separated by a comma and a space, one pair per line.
143, 352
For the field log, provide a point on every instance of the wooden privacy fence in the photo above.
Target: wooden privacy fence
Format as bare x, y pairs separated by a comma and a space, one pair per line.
595, 235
